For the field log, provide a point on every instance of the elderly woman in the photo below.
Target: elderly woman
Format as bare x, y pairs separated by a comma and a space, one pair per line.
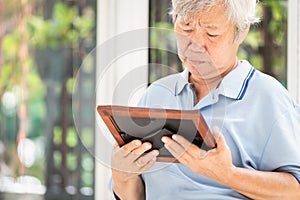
257, 154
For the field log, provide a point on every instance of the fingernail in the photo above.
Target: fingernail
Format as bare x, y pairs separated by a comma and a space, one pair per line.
147, 145
216, 129
155, 153
164, 140
137, 143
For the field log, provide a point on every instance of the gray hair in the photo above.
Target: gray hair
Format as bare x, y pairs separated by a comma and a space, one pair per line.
241, 12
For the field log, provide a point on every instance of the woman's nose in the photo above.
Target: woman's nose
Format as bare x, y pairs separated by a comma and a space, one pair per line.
197, 41
196, 47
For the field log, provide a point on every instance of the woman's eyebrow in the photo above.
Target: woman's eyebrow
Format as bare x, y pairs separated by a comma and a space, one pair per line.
209, 26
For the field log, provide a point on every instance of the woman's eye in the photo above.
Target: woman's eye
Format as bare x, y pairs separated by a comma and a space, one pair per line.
212, 35
187, 30
186, 26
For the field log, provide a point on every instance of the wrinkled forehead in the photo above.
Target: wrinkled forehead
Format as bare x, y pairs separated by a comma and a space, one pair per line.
216, 14
188, 8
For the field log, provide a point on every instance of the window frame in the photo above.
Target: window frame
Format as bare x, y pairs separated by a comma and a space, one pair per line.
115, 18
293, 70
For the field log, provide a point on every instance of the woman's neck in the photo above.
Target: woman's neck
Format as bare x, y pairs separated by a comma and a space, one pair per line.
204, 86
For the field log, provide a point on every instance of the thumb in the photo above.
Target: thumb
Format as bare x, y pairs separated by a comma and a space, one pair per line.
220, 140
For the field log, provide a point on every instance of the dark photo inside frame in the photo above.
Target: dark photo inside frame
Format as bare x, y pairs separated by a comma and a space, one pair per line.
151, 124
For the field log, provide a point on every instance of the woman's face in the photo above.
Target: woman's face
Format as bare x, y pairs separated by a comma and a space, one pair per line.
207, 44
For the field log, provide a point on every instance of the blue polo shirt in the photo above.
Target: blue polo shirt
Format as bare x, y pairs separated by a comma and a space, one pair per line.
259, 120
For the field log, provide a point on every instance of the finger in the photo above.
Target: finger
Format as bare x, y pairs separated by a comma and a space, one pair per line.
133, 155
219, 137
173, 147
148, 165
188, 146
202, 153
116, 145
191, 149
216, 132
128, 148
142, 149
176, 150
143, 161
115, 148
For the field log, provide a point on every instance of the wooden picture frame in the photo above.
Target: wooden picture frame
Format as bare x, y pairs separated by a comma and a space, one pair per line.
150, 124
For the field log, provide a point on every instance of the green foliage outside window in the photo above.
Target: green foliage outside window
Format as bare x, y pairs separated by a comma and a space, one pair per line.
65, 29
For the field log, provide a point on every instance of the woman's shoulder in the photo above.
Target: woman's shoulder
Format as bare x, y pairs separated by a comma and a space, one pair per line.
268, 83
161, 92
169, 79
168, 82
270, 88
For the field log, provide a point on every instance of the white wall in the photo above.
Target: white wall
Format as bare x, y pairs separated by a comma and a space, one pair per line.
293, 78
122, 59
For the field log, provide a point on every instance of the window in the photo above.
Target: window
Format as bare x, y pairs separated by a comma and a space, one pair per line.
42, 153
294, 49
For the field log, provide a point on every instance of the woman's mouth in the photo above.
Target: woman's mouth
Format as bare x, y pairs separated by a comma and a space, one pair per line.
195, 62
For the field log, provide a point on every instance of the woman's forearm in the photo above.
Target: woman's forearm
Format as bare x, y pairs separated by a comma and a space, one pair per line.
264, 185
131, 189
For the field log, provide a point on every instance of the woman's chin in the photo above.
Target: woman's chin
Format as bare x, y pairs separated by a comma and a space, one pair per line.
204, 74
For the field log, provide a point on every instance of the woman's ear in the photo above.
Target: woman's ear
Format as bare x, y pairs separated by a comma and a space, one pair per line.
242, 34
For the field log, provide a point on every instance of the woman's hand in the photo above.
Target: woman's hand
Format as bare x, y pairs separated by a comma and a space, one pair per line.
215, 164
127, 163
130, 160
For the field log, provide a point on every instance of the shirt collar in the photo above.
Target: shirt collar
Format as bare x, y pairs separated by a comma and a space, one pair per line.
182, 81
234, 84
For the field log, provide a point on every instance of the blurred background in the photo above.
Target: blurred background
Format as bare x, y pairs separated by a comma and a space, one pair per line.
42, 46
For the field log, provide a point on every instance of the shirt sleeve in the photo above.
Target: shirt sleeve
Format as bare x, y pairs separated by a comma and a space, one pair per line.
297, 177
293, 170
143, 101
282, 151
